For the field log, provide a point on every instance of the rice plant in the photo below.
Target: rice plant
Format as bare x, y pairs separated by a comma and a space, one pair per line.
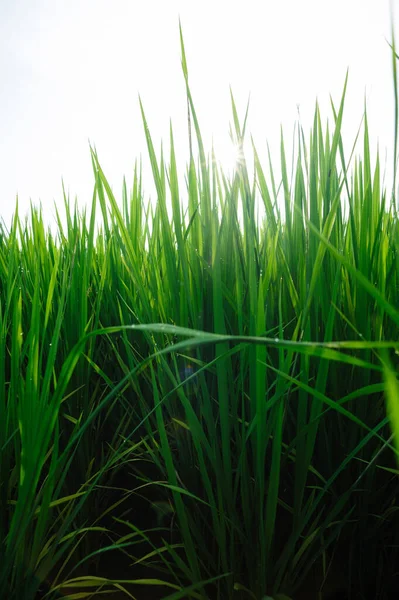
197, 409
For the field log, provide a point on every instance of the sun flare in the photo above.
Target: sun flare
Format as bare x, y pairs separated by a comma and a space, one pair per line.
229, 157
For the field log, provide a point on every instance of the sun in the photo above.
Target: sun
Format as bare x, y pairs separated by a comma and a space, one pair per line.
229, 156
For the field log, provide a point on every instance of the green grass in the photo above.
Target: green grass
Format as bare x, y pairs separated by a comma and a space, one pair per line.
200, 404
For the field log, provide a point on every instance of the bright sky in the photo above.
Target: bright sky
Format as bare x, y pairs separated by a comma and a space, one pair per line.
71, 72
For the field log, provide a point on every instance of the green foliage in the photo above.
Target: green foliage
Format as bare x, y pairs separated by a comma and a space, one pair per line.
226, 372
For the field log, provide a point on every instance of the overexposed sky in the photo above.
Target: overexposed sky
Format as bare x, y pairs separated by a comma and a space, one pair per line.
71, 72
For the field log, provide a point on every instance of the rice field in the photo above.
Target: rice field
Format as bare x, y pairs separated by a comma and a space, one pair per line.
197, 405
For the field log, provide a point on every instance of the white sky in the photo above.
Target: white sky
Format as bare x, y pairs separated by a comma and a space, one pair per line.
71, 71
